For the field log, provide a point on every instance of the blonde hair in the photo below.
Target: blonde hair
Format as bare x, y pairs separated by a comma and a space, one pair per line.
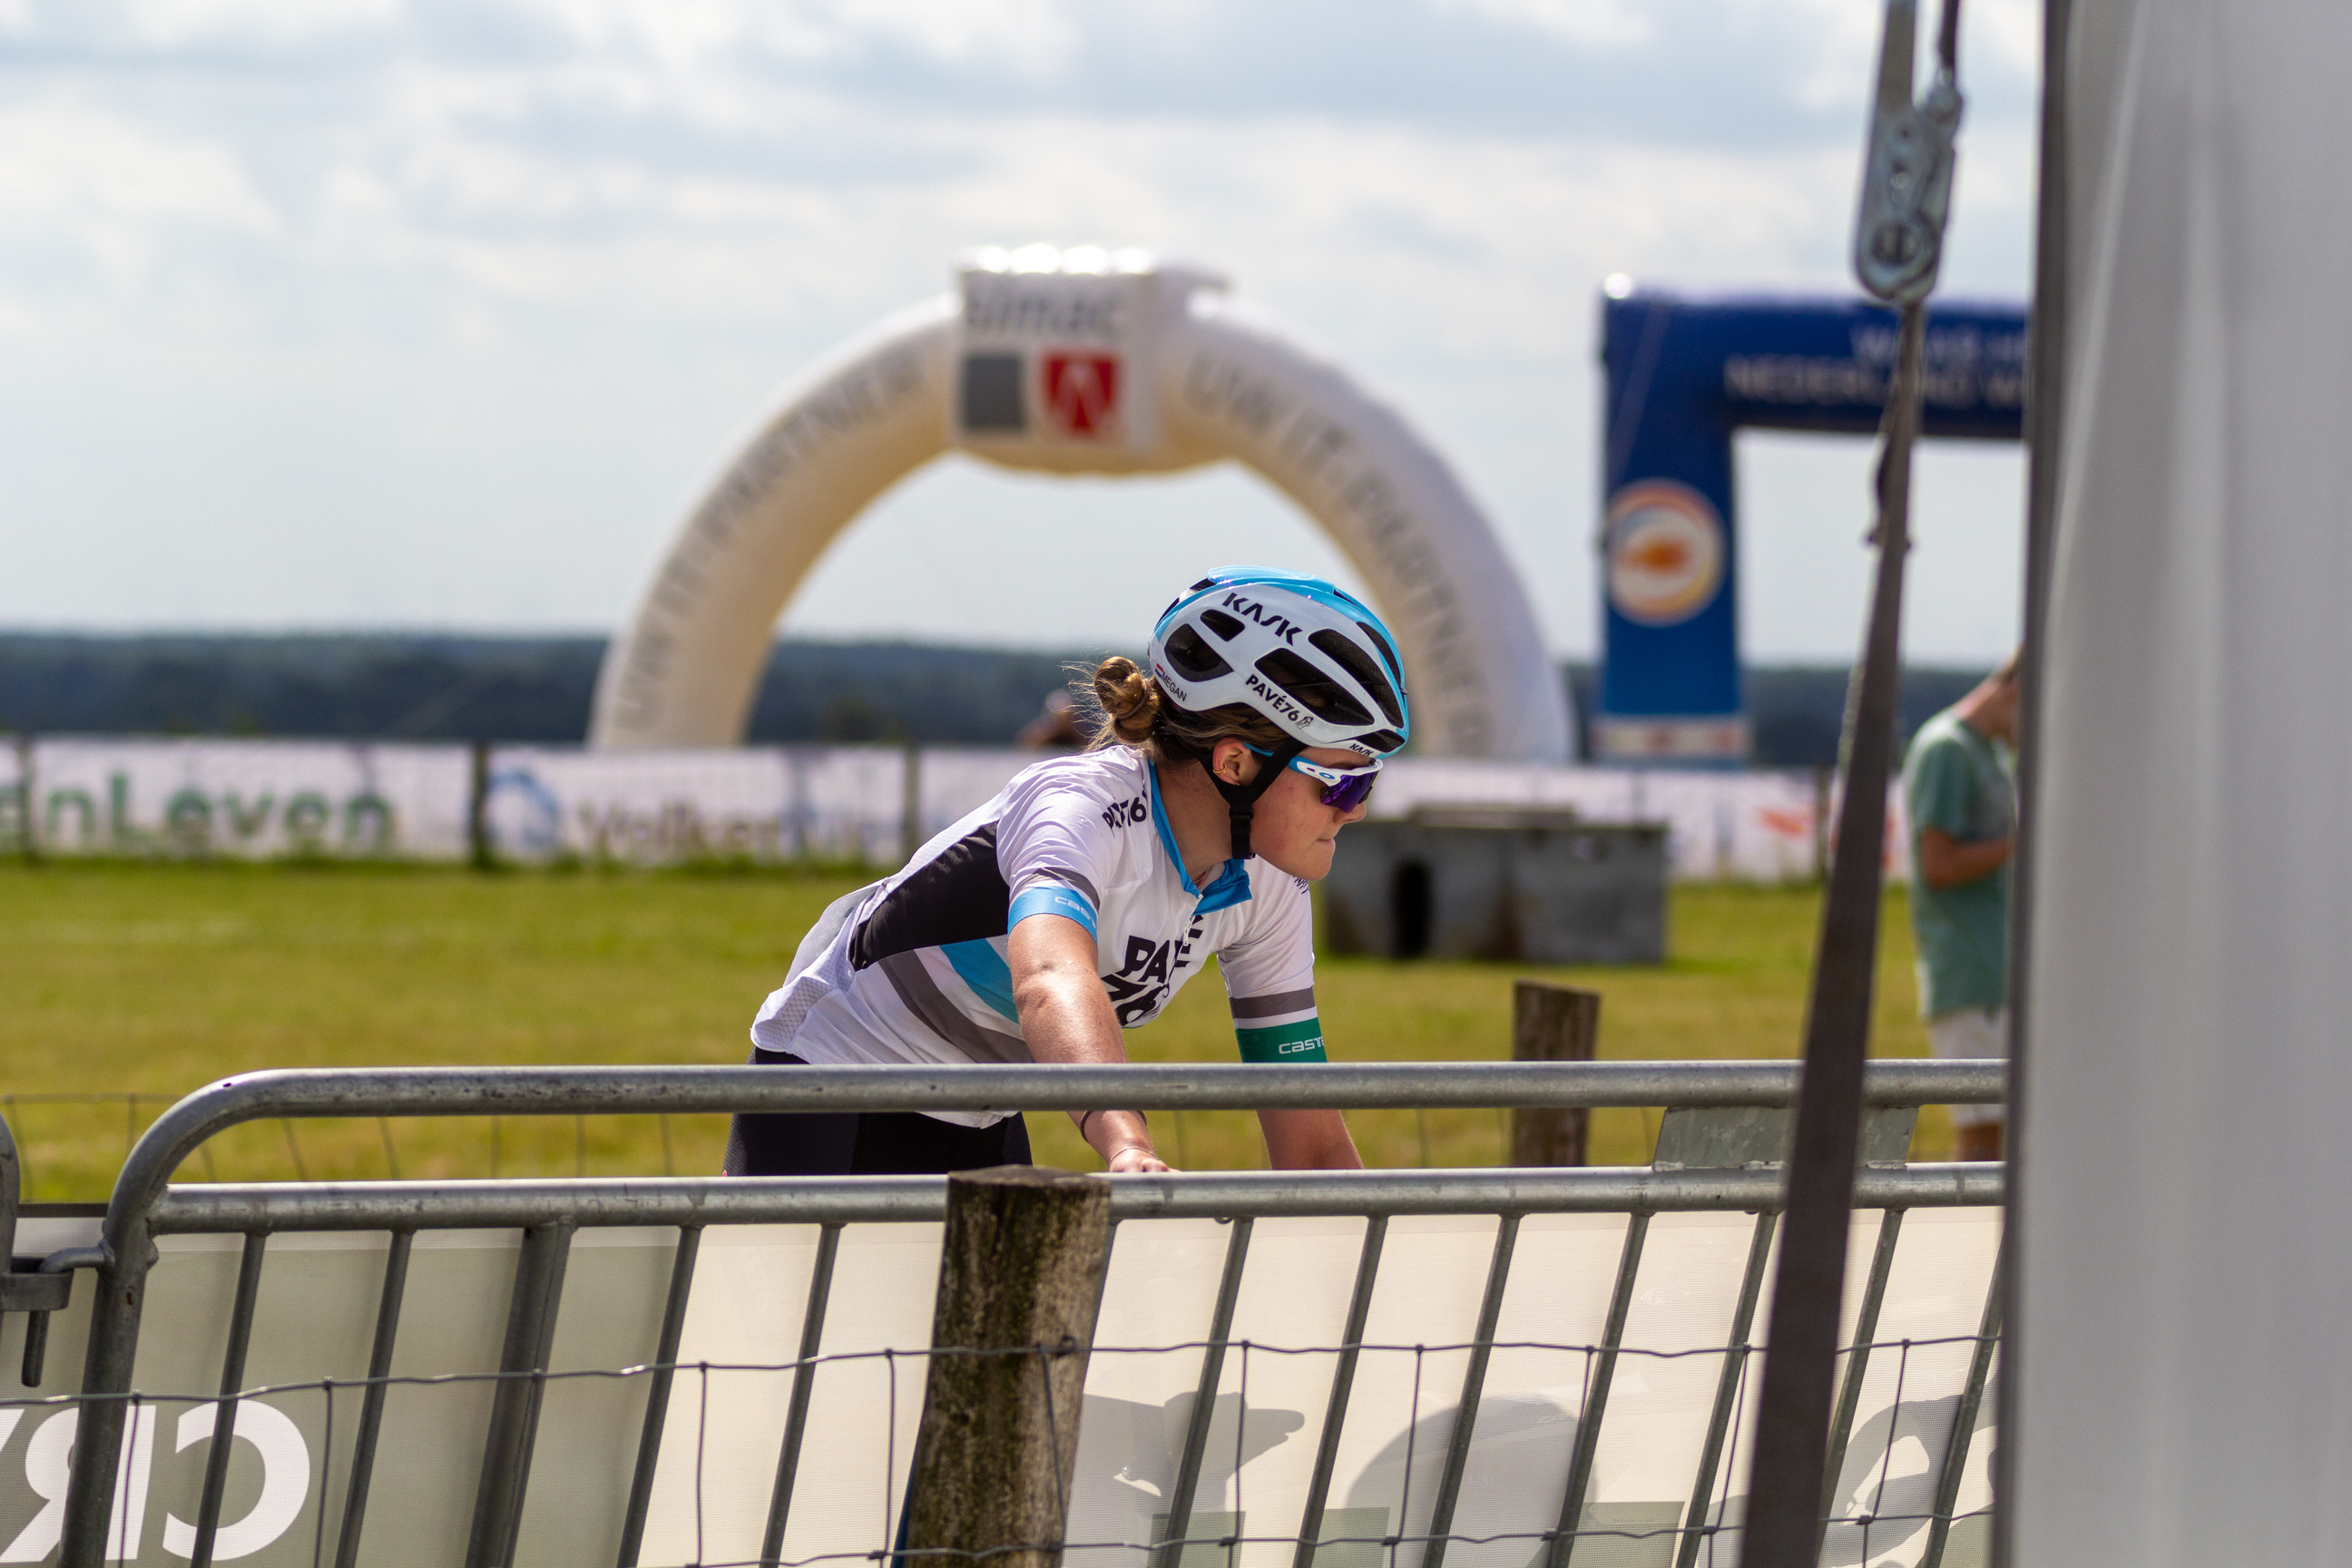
1131, 711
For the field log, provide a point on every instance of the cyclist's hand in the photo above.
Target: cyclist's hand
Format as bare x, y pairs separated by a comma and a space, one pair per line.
1137, 1161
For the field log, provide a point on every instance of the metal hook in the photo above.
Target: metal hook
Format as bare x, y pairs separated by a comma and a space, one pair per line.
1906, 186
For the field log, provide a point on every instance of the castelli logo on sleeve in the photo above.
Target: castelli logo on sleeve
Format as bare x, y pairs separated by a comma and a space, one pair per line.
1082, 394
1665, 552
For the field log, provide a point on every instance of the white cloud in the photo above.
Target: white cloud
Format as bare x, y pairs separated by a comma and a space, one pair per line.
517, 267
176, 24
63, 163
1596, 24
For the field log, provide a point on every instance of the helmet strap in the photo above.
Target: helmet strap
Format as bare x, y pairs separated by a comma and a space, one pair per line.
1241, 799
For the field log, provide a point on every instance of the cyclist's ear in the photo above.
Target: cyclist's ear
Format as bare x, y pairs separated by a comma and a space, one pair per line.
1232, 762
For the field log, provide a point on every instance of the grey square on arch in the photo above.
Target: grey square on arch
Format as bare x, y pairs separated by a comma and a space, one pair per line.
991, 396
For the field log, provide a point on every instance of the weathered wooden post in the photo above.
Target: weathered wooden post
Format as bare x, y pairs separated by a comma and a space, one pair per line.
479, 853
1551, 1024
1021, 1272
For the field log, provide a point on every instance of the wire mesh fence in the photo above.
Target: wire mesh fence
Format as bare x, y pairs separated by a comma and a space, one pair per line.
1418, 1519
1449, 1369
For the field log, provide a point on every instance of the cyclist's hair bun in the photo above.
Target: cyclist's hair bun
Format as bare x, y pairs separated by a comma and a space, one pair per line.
1132, 712
1129, 700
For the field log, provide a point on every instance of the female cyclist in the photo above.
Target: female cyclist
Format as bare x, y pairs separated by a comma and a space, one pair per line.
1080, 899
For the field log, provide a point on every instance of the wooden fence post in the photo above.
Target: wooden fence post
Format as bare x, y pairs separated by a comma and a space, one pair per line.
1551, 1024
477, 808
998, 1449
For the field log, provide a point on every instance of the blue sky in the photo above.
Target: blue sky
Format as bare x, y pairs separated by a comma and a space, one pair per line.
357, 313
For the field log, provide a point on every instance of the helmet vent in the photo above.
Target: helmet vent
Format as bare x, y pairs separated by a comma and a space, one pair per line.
1357, 663
1382, 642
1383, 741
1194, 657
1224, 625
1309, 687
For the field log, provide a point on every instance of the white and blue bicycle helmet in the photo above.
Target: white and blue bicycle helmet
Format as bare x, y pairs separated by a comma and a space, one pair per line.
1311, 658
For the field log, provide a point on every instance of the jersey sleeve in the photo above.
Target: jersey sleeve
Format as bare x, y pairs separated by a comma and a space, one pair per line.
1938, 789
1270, 972
1055, 848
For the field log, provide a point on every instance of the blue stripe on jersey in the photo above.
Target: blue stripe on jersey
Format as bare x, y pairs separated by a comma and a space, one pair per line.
1168, 835
1066, 902
982, 969
1232, 886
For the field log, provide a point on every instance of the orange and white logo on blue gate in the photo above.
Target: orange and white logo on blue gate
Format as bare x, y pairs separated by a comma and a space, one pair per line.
1665, 544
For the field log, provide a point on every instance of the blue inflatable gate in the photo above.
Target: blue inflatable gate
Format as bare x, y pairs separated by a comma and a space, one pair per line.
1684, 375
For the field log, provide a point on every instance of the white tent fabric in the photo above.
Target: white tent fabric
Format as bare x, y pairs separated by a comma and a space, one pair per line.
2184, 1394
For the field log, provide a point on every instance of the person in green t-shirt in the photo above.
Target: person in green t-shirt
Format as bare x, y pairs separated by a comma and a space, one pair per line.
1963, 808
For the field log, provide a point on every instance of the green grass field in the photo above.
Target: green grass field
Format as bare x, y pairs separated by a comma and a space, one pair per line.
155, 979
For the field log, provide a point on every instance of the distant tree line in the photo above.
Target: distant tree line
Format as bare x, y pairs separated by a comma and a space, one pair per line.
386, 686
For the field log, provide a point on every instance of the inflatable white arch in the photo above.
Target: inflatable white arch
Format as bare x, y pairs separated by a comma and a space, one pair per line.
1085, 361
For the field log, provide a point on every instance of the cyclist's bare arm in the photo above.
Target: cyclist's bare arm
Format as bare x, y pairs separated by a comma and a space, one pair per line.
1065, 1017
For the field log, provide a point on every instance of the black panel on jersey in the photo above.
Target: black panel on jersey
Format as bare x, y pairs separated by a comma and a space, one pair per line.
959, 895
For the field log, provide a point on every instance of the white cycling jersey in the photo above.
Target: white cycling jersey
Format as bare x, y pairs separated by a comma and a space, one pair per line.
913, 969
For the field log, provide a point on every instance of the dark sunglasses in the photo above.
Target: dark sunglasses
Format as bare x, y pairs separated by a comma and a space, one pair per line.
1344, 789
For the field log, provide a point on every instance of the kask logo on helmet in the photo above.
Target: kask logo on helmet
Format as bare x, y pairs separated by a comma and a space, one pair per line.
1281, 625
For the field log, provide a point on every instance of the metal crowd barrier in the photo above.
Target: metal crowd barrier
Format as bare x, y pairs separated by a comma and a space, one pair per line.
1717, 1105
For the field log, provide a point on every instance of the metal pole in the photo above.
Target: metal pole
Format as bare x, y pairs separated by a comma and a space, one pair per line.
1964, 1424
107, 1368
1596, 1395
387, 1331
910, 817
2046, 395
897, 1200
788, 1463
1696, 1527
1474, 1386
514, 1411
1794, 1414
1343, 1382
1204, 1399
1897, 244
240, 1337
180, 1132
658, 1387
1857, 1363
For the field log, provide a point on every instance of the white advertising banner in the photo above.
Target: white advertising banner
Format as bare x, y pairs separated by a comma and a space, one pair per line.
1721, 827
290, 1471
250, 798
642, 808
262, 798
830, 803
958, 779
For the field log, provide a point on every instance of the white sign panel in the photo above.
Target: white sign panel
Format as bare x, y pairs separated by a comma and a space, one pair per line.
723, 1431
250, 798
837, 803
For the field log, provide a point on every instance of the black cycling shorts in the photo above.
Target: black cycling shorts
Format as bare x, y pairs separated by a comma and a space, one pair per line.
865, 1144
